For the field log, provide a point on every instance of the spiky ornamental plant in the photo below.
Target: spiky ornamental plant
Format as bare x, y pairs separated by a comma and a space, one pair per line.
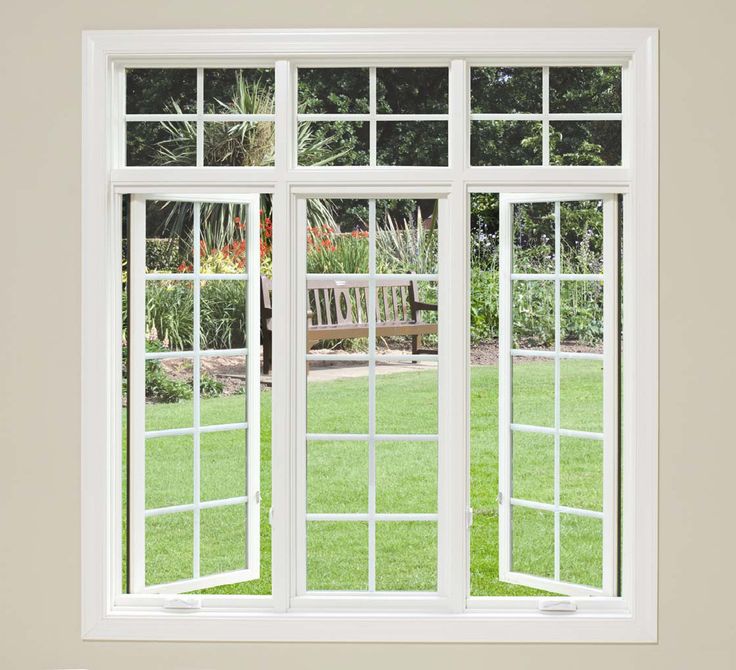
238, 144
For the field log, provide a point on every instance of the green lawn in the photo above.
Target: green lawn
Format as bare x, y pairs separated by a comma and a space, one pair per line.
406, 478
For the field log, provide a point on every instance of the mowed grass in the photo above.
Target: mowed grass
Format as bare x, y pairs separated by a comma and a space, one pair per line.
406, 482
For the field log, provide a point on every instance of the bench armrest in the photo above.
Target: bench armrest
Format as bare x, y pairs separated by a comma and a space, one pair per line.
425, 307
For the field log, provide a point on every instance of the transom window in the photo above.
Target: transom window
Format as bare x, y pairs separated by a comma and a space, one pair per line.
368, 310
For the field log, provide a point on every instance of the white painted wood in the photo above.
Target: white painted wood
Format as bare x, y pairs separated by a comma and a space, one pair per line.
137, 408
106, 613
609, 437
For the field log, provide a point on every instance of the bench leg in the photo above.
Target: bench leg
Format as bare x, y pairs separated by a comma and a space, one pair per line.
414, 345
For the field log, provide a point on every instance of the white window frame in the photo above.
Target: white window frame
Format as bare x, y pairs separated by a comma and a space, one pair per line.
108, 614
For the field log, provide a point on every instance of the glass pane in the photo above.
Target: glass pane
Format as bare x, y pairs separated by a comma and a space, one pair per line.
222, 312
160, 91
585, 143
581, 473
169, 393
406, 477
222, 539
337, 556
333, 90
337, 398
411, 90
406, 556
337, 316
222, 384
239, 143
533, 229
533, 314
533, 467
223, 464
585, 89
337, 238
581, 395
169, 231
169, 547
237, 91
337, 477
533, 394
170, 144
581, 550
223, 235
406, 317
339, 143
169, 315
411, 143
581, 316
169, 471
532, 541
505, 143
505, 90
406, 236
581, 237
406, 402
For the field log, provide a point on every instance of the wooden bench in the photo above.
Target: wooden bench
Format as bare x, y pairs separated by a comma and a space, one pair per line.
339, 310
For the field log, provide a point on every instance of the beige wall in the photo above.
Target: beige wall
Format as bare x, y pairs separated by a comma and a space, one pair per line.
40, 353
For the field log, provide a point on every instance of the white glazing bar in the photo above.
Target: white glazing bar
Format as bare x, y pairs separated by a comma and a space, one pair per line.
207, 504
384, 358
200, 120
373, 125
556, 509
380, 280
371, 117
537, 353
554, 276
196, 371
370, 518
137, 391
545, 115
193, 118
519, 116
179, 276
564, 432
363, 437
558, 264
218, 428
155, 355
372, 388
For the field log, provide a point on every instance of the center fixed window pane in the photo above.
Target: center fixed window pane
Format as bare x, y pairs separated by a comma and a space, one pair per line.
372, 395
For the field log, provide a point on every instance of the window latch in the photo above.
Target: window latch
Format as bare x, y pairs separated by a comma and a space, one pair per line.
469, 517
180, 602
557, 606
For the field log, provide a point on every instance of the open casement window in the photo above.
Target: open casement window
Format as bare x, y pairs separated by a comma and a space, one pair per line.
559, 535
194, 482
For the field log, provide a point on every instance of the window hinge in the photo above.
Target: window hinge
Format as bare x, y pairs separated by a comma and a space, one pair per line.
180, 602
557, 606
270, 516
499, 498
469, 517
257, 497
